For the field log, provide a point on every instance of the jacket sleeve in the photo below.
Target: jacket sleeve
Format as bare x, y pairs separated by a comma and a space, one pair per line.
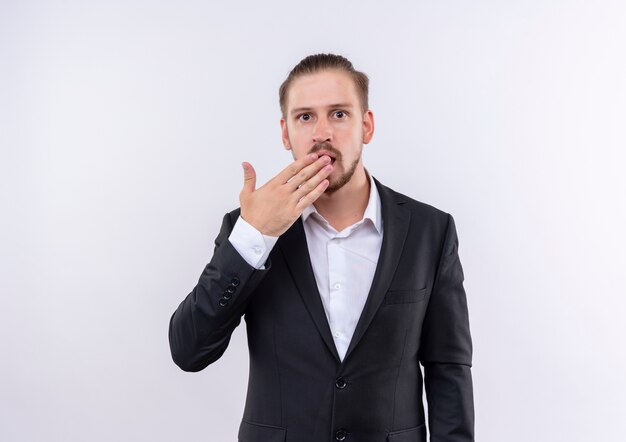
446, 350
201, 327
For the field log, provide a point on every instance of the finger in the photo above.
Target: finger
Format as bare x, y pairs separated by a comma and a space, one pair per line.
249, 177
308, 172
288, 172
310, 197
310, 184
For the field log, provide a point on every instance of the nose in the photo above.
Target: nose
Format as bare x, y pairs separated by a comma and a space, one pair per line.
322, 131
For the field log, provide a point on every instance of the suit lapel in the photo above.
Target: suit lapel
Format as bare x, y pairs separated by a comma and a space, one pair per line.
395, 227
294, 248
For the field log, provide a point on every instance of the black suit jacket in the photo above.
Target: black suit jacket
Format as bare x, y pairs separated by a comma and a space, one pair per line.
298, 389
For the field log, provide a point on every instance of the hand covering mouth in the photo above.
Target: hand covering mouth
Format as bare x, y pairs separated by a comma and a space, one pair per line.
332, 156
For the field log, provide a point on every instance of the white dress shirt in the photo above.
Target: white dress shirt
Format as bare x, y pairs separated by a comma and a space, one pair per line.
343, 262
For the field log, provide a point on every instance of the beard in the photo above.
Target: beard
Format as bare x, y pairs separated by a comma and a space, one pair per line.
334, 186
342, 180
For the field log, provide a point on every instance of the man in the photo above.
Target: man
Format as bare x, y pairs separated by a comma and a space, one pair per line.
346, 287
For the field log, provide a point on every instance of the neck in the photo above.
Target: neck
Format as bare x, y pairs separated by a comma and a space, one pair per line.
347, 205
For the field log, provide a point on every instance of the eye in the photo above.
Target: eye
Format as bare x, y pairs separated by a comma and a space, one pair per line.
304, 117
340, 114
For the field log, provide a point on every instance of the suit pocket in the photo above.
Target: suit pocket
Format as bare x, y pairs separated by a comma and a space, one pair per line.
404, 296
252, 432
415, 434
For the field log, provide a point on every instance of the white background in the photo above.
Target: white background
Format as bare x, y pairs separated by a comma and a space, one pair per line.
123, 125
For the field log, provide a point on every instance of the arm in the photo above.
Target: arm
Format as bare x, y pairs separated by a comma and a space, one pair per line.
446, 352
254, 246
201, 327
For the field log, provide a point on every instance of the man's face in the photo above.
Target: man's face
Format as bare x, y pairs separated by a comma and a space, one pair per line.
324, 115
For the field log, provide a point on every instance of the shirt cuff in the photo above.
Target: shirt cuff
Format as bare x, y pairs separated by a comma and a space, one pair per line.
252, 245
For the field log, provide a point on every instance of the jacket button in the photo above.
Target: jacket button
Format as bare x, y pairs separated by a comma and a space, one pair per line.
341, 435
235, 281
223, 302
227, 295
230, 289
340, 383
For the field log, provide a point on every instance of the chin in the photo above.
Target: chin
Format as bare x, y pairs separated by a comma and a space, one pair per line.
344, 179
335, 185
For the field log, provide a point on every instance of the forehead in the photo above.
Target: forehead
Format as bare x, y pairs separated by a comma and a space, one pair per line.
322, 89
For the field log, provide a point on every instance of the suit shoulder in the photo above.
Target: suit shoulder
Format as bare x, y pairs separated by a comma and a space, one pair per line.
422, 211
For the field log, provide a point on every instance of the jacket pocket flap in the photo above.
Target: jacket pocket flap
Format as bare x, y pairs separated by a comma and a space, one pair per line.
402, 296
251, 432
415, 434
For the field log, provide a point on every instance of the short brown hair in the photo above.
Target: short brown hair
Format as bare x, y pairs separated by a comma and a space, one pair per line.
322, 62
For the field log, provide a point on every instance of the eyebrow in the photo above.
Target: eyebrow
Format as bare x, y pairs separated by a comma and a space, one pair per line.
332, 106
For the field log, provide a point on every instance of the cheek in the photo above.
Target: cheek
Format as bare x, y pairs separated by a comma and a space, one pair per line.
353, 137
297, 151
299, 134
352, 131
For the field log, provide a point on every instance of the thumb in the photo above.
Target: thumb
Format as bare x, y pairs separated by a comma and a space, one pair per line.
249, 177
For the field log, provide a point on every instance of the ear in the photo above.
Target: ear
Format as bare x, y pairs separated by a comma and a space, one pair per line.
285, 134
368, 126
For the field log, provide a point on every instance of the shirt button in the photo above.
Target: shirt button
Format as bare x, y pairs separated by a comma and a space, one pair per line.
337, 334
257, 250
337, 286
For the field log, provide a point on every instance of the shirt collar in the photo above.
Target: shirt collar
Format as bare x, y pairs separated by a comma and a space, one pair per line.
372, 211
